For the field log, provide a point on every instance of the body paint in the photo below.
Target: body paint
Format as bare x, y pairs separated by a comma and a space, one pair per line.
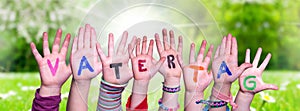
86, 65
53, 69
116, 66
196, 68
141, 64
250, 82
223, 68
170, 61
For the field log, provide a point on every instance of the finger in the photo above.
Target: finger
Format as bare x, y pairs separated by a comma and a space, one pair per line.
222, 47
122, 44
172, 39
270, 87
217, 52
132, 43
228, 44
265, 62
144, 45
80, 38
93, 38
87, 36
242, 68
46, 50
180, 43
35, 52
234, 48
111, 45
55, 47
74, 45
208, 55
201, 51
159, 63
130, 51
65, 46
100, 52
257, 57
150, 49
137, 49
192, 53
165, 39
158, 44
247, 59
210, 76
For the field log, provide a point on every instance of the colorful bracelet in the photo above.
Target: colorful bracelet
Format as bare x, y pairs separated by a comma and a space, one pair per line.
166, 108
171, 90
212, 104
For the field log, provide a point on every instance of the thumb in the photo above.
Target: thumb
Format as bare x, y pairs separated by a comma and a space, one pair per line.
243, 67
270, 87
159, 63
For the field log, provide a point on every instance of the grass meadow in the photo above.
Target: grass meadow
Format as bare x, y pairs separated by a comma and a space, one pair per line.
17, 92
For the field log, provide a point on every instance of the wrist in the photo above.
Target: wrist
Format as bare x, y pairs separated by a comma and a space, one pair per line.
140, 87
171, 81
46, 91
221, 88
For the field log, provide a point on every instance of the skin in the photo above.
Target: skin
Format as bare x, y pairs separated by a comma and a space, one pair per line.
142, 78
51, 85
83, 45
194, 89
171, 76
245, 96
228, 53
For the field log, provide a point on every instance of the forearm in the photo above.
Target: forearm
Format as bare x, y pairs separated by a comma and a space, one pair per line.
190, 101
170, 100
220, 89
139, 92
78, 96
243, 99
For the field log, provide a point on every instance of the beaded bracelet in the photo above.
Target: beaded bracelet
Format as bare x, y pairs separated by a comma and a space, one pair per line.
166, 108
171, 90
212, 104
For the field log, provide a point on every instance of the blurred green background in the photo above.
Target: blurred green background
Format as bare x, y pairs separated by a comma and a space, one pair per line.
273, 25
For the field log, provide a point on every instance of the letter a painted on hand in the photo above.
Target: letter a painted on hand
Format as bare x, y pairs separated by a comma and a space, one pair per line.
84, 66
116, 66
53, 69
223, 68
250, 82
141, 64
170, 61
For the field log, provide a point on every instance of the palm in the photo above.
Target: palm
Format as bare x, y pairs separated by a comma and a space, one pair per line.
251, 78
115, 65
232, 64
85, 47
53, 69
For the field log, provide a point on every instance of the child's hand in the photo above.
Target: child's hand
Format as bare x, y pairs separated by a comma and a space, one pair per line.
170, 68
84, 57
115, 65
53, 69
144, 65
225, 64
251, 79
196, 76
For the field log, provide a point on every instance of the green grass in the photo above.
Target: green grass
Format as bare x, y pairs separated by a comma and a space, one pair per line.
286, 100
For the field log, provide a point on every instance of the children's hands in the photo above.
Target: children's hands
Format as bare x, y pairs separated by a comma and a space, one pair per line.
143, 64
196, 76
170, 68
84, 57
251, 79
227, 56
53, 69
115, 65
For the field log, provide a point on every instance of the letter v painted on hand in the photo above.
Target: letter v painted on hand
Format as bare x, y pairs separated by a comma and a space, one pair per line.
53, 69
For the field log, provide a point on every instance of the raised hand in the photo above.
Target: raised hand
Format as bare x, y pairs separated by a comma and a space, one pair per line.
195, 74
115, 65
170, 68
53, 69
144, 66
251, 79
225, 64
84, 57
